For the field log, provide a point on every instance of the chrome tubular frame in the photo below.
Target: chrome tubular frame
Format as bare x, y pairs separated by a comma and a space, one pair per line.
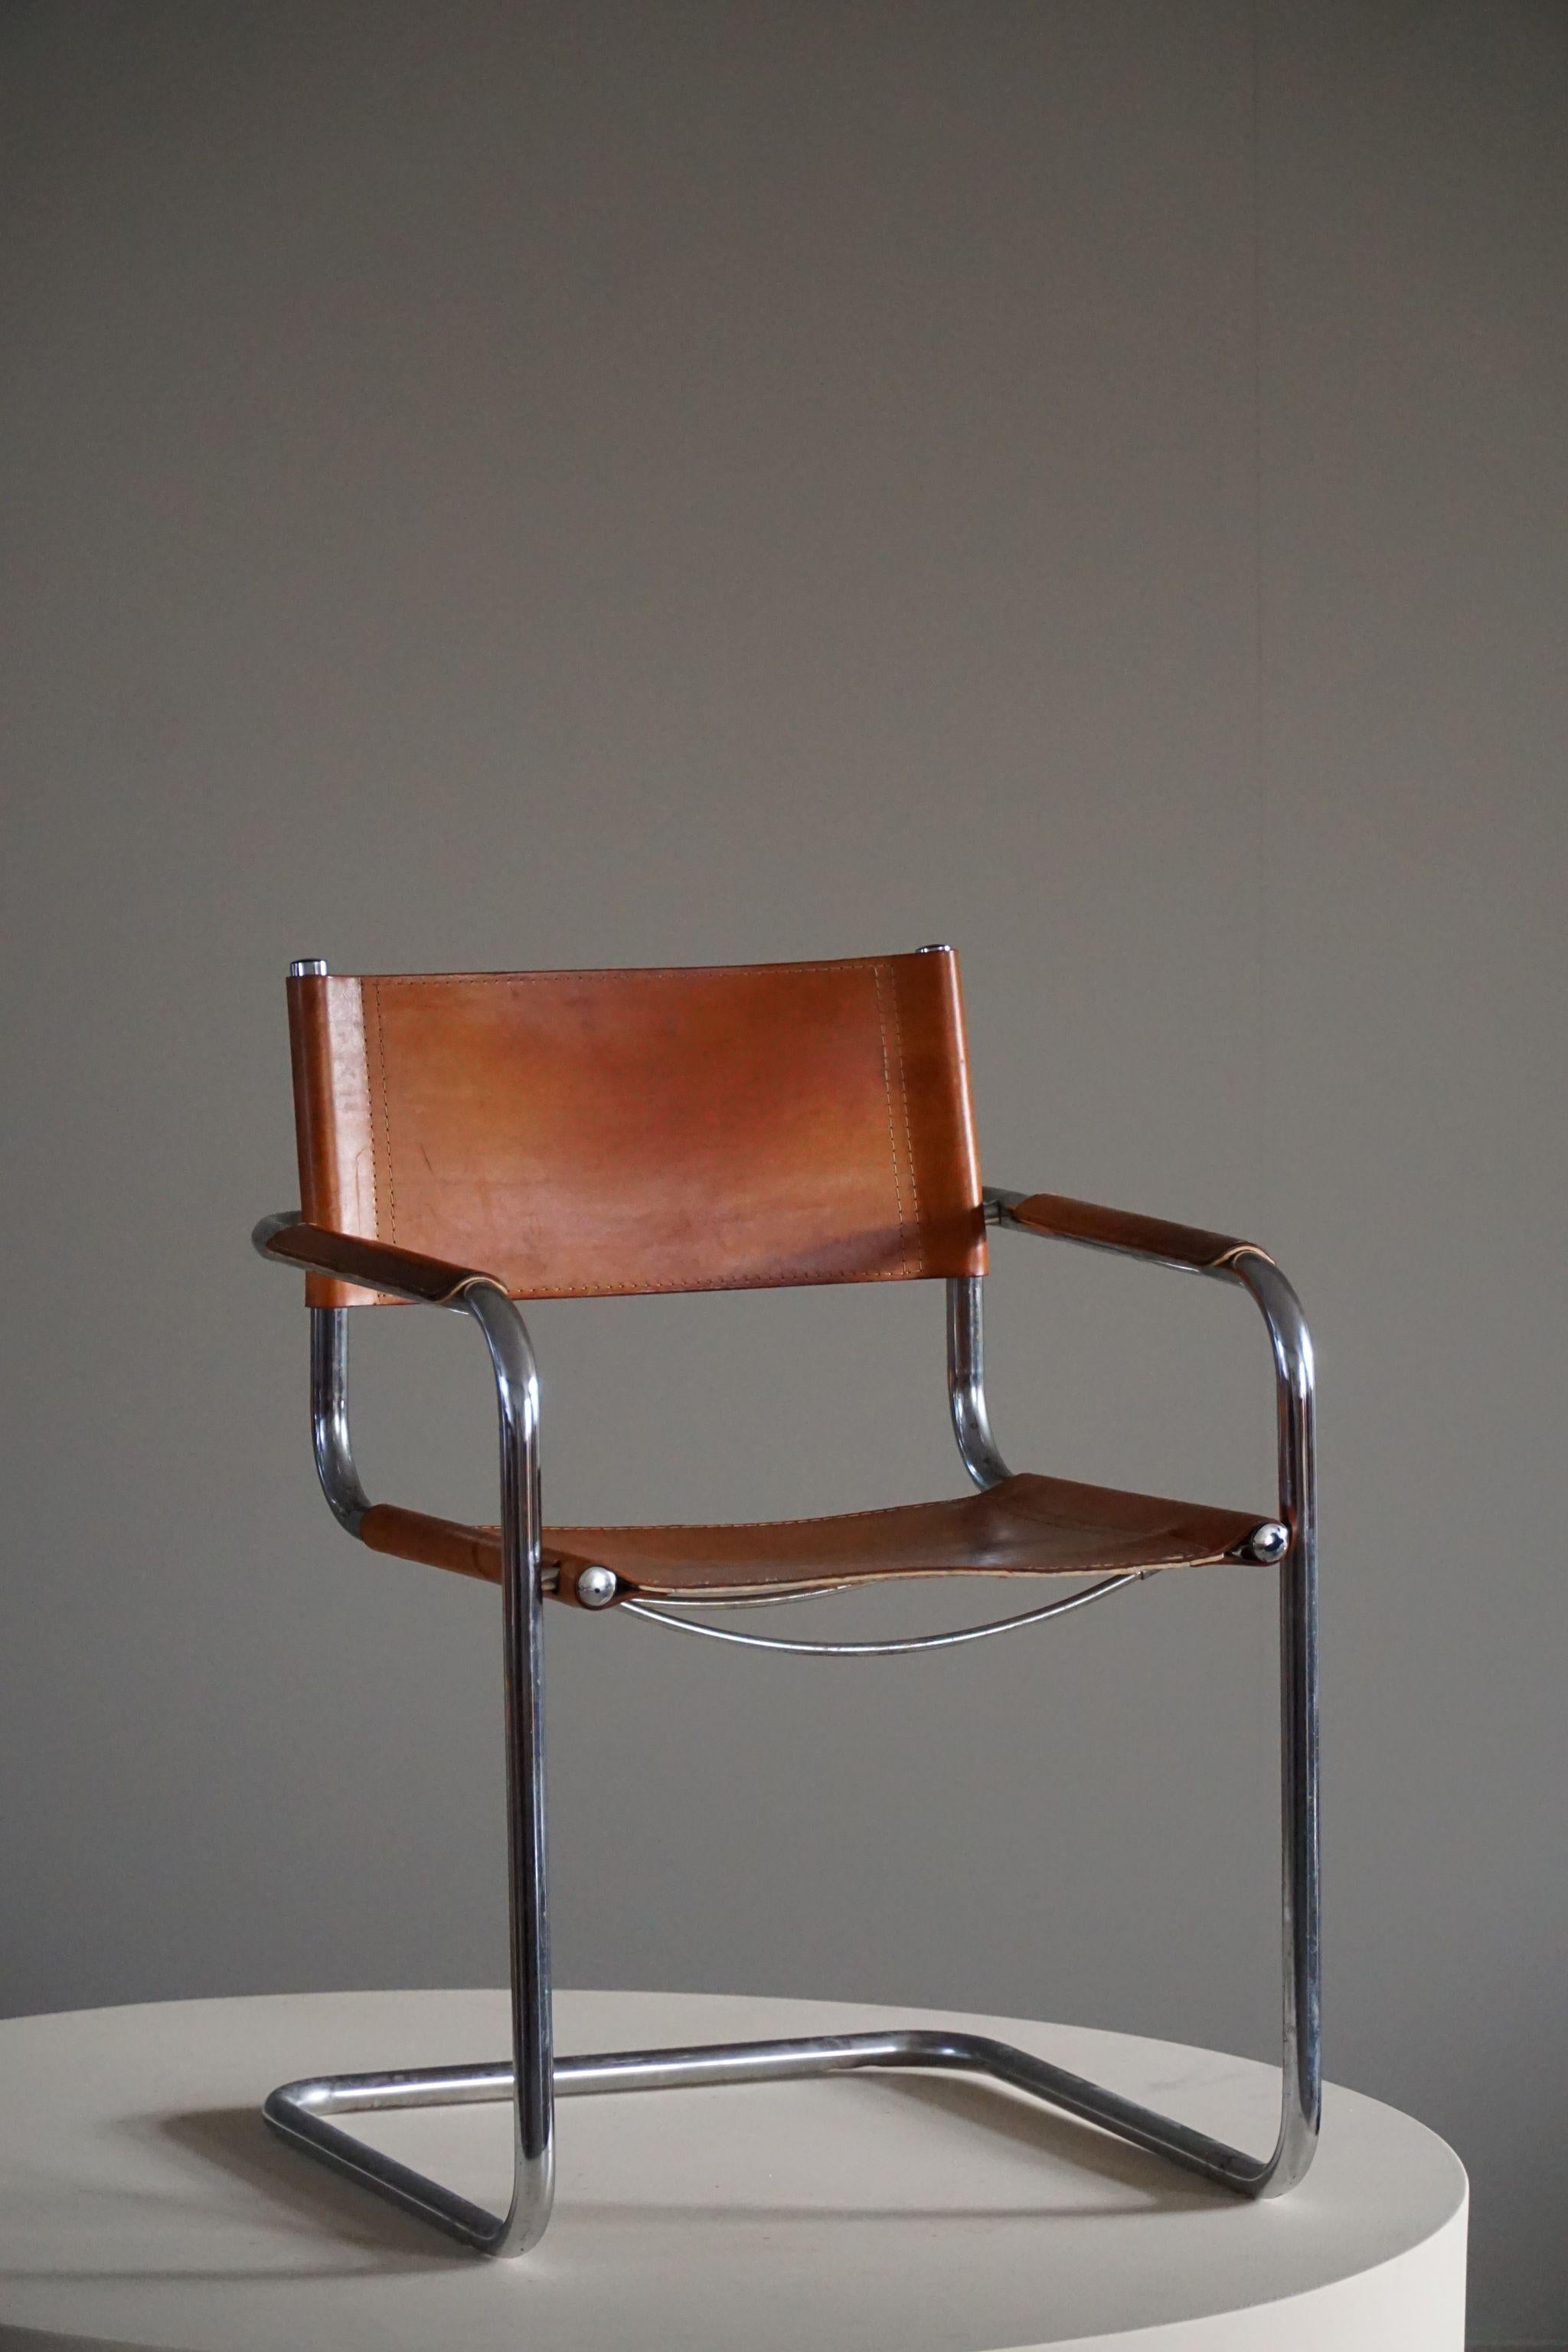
1299, 1875
304, 2112
330, 1417
966, 1380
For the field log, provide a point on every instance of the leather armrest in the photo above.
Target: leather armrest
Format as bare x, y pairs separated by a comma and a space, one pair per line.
376, 1265
1117, 1229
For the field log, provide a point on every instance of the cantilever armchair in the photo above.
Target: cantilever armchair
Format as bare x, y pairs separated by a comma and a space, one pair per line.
469, 1140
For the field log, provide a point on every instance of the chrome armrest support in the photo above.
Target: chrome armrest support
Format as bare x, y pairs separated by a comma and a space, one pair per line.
1225, 1260
330, 1437
285, 1239
978, 1450
405, 1275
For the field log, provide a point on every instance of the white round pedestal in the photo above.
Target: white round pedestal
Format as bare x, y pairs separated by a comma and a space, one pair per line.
142, 2201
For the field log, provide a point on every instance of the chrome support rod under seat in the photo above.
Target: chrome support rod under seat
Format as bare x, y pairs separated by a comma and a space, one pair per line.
896, 1649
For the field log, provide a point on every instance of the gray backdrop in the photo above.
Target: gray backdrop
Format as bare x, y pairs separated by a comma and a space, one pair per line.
545, 485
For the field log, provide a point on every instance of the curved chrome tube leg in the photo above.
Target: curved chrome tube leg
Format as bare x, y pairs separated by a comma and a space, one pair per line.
1300, 1906
1301, 1898
1301, 2060
301, 2112
517, 1394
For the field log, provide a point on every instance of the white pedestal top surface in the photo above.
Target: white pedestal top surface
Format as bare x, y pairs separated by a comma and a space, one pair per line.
143, 2203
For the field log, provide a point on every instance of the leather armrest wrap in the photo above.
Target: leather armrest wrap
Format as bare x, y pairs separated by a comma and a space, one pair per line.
378, 1266
1117, 1229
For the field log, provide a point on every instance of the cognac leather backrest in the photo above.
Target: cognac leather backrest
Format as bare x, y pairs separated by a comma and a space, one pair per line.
583, 1133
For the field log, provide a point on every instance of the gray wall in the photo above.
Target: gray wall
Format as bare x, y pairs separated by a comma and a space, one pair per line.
496, 487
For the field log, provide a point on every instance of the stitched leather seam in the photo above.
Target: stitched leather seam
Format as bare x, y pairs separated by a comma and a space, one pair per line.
892, 1136
843, 1574
736, 1526
967, 1505
835, 1577
374, 1178
909, 1131
385, 1128
691, 1289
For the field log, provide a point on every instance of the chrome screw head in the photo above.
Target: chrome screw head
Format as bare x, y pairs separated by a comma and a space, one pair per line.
1271, 1542
596, 1586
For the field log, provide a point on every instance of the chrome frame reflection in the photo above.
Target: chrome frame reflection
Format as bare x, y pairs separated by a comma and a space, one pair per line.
304, 2112
330, 1438
1301, 1898
977, 1449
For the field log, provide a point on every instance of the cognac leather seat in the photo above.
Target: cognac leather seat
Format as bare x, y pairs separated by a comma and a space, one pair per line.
1026, 1526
